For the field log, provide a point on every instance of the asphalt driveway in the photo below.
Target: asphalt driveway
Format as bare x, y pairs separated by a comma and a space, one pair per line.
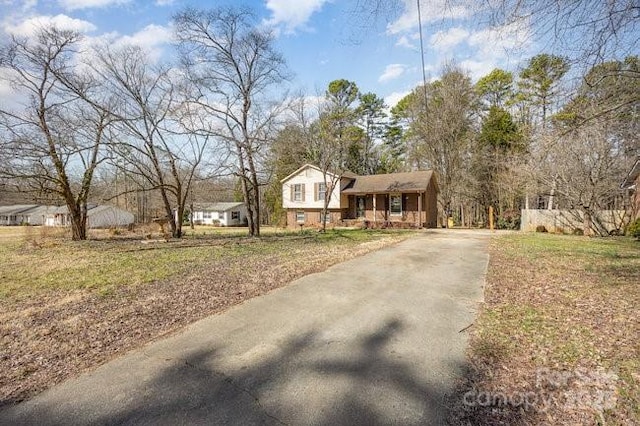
375, 340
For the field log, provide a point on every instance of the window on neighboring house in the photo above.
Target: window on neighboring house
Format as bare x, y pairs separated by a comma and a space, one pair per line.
322, 191
235, 215
298, 192
395, 204
300, 217
206, 215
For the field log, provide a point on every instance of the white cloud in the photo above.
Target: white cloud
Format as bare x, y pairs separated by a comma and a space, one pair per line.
87, 4
30, 26
164, 2
477, 67
433, 11
22, 5
391, 72
152, 39
444, 40
292, 14
5, 76
392, 99
149, 37
498, 41
404, 42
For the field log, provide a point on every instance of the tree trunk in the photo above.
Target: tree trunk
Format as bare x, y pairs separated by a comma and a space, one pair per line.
177, 231
78, 218
587, 222
246, 190
191, 216
255, 196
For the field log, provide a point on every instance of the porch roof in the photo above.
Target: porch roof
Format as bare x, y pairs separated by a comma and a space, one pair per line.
393, 182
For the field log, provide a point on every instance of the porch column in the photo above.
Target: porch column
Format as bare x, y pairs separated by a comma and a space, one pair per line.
419, 209
374, 208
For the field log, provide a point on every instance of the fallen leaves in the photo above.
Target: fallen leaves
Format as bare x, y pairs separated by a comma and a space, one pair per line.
565, 304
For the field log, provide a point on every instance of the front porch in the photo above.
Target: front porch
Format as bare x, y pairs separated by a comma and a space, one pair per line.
410, 210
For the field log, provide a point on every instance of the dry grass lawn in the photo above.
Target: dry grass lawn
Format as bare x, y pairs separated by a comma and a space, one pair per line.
558, 340
69, 306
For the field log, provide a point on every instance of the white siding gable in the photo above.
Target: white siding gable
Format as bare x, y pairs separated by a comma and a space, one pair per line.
309, 178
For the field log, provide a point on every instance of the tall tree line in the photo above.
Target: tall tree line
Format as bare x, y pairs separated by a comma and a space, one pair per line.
509, 141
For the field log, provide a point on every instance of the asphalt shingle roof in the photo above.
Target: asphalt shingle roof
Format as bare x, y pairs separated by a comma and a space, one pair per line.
393, 182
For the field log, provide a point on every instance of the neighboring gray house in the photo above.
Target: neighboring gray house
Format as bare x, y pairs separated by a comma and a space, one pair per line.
98, 216
222, 214
16, 215
38, 214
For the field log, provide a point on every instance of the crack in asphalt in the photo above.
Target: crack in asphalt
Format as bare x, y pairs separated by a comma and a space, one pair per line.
231, 381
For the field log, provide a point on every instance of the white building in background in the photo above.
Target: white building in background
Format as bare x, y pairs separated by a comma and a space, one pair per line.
220, 214
24, 214
98, 216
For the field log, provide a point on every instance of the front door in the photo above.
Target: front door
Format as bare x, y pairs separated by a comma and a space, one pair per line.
360, 209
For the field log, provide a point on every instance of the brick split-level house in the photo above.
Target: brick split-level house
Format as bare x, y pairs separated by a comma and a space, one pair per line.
404, 199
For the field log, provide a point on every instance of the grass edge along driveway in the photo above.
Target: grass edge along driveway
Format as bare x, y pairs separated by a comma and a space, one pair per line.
556, 341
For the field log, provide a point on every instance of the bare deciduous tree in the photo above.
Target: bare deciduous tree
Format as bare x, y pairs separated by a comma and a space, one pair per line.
54, 142
232, 65
152, 119
441, 133
584, 166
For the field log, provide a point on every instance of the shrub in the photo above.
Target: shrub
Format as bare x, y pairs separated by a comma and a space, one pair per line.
541, 228
509, 219
578, 231
634, 229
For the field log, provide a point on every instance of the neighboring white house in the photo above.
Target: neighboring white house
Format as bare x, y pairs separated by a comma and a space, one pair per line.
98, 216
38, 214
16, 214
221, 214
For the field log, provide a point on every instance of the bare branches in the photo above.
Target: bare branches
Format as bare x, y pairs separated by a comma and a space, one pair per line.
55, 140
231, 65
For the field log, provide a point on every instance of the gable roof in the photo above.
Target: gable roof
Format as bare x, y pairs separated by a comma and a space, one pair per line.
219, 207
16, 209
632, 176
41, 209
345, 174
65, 209
392, 182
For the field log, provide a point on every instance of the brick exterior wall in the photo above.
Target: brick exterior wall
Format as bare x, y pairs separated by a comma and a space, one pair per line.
312, 218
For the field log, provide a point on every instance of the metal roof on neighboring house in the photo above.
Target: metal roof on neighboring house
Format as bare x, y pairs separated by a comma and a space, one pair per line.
41, 209
65, 209
392, 182
219, 207
16, 209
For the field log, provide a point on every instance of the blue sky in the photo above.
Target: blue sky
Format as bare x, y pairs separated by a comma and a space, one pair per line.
322, 40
